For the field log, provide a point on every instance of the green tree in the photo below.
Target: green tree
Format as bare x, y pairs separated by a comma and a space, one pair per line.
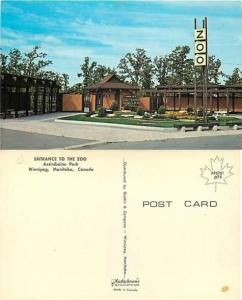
87, 71
161, 69
177, 68
50, 75
34, 62
189, 72
91, 73
3, 61
76, 88
61, 79
234, 78
65, 81
100, 72
15, 62
137, 68
147, 76
30, 64
214, 72
180, 66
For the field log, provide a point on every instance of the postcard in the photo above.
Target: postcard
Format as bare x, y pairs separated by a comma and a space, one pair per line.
120, 139
116, 225
121, 75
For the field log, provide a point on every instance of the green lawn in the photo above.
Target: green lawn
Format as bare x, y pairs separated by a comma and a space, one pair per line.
223, 120
126, 121
139, 122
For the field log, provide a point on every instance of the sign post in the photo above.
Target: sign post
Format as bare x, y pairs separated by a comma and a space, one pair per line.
201, 60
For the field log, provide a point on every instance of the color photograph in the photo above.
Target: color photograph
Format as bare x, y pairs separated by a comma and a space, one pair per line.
120, 149
121, 75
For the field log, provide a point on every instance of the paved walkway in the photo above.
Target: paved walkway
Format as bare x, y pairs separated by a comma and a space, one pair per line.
13, 139
44, 124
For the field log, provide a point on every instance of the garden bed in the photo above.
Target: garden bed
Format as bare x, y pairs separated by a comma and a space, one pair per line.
126, 121
165, 123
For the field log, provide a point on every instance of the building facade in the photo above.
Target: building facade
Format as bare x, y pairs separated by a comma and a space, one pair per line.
112, 91
24, 96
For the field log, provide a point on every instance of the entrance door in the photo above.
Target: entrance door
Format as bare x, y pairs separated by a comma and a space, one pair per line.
99, 100
86, 103
118, 99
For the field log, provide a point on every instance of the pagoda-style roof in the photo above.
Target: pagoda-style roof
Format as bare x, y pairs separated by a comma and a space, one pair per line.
112, 82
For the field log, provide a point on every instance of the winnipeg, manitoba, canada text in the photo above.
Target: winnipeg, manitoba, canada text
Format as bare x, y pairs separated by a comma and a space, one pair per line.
69, 164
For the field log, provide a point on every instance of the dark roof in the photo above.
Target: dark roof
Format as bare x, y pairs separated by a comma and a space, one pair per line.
112, 82
11, 80
210, 86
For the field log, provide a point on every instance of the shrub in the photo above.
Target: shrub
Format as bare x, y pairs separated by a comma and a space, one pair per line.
102, 112
200, 112
114, 107
133, 108
210, 113
190, 109
147, 115
173, 117
130, 107
160, 117
89, 114
161, 110
140, 111
211, 119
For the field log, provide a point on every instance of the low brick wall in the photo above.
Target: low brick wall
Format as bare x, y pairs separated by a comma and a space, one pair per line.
72, 102
92, 102
214, 103
145, 103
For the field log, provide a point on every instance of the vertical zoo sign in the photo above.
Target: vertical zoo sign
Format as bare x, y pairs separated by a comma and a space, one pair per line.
200, 47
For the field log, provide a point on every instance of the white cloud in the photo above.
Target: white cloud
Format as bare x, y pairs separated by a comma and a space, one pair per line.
69, 40
19, 38
126, 38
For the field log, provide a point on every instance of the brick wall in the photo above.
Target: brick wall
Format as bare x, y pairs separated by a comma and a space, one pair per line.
145, 103
92, 102
72, 102
213, 104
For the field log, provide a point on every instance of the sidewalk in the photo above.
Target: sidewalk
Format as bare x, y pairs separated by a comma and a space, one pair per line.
45, 124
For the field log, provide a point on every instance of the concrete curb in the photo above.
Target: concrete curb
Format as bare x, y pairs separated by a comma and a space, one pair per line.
73, 147
136, 127
69, 115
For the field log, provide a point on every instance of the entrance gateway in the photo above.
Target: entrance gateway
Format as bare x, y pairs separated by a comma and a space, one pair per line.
111, 91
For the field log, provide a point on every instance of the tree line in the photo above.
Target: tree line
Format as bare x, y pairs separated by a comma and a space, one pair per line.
31, 64
137, 69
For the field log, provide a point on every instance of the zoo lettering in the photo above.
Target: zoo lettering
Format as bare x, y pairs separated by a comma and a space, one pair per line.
188, 203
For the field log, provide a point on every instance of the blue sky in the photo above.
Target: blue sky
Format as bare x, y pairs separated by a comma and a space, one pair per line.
106, 30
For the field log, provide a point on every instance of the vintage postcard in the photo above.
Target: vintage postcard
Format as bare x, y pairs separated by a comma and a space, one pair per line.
121, 75
116, 225
120, 139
